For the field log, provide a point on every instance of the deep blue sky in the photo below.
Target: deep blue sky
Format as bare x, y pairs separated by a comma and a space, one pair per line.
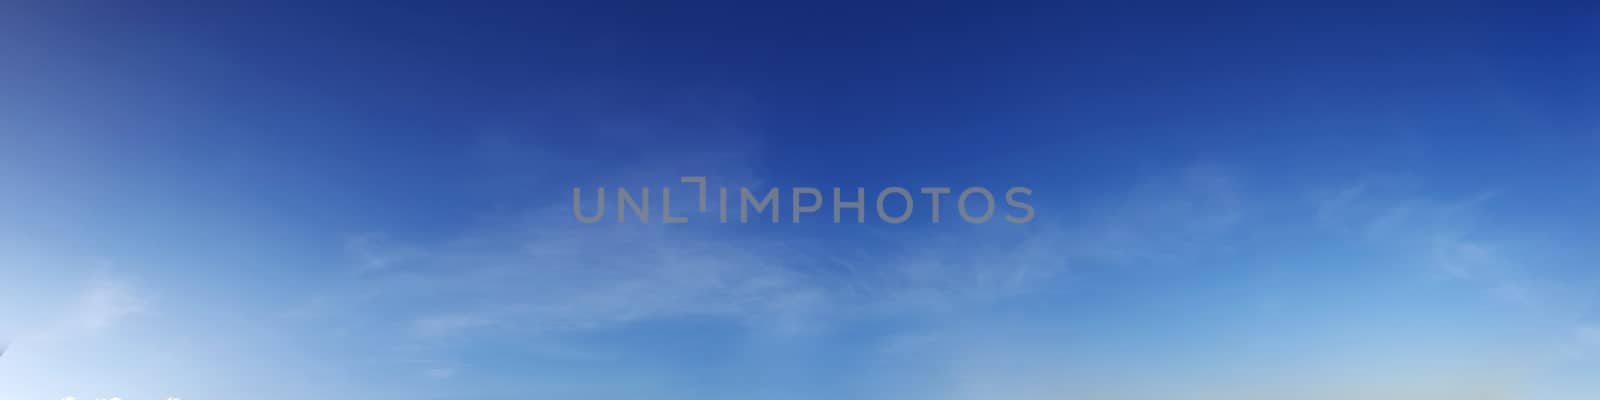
1234, 201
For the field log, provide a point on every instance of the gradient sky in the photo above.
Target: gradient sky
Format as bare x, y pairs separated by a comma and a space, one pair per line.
373, 201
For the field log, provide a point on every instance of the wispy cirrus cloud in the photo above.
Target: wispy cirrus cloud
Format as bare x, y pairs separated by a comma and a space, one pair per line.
1452, 239
1165, 218
540, 277
1589, 335
1445, 233
108, 301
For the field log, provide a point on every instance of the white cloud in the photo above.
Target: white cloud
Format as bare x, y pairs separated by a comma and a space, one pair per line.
1589, 336
373, 253
1462, 258
1512, 293
445, 325
108, 302
1165, 219
1444, 235
439, 373
543, 273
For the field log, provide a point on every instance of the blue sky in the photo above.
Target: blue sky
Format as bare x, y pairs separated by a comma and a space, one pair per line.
1272, 202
